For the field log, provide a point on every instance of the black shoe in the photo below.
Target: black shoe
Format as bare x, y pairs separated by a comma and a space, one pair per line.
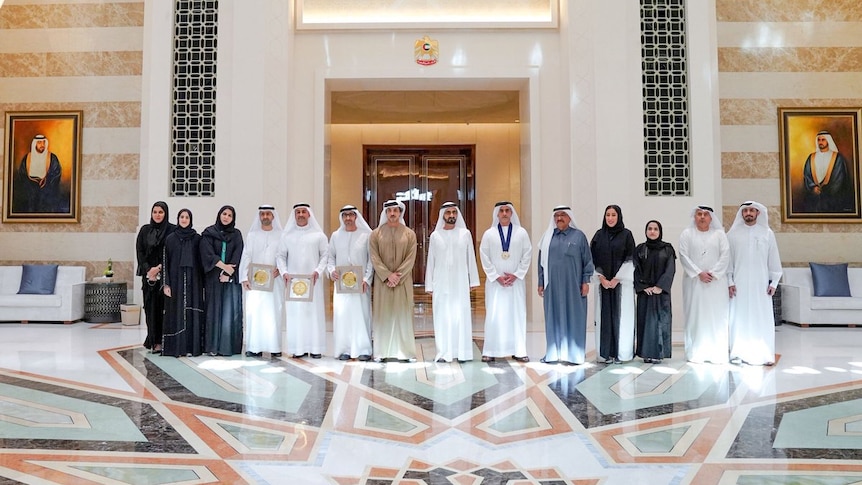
545, 361
316, 356
364, 358
249, 353
299, 356
344, 357
656, 361
212, 354
647, 360
609, 361
441, 360
275, 354
617, 361
521, 359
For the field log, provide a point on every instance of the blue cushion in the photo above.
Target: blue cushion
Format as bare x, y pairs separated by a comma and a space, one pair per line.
830, 279
38, 279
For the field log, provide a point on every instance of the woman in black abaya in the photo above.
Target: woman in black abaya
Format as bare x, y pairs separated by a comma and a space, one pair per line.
149, 247
221, 249
655, 265
613, 248
184, 290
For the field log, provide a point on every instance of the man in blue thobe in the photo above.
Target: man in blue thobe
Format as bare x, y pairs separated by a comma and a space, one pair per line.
565, 268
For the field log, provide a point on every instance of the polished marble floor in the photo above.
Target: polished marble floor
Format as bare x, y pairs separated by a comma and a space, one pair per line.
84, 403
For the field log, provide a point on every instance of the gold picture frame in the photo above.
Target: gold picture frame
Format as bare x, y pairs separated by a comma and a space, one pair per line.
350, 279
260, 276
43, 167
299, 288
829, 193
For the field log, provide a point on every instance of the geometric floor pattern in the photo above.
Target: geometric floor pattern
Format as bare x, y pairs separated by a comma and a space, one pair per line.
85, 404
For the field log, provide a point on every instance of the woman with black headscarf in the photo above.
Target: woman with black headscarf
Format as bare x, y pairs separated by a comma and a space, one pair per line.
149, 247
655, 265
221, 250
613, 248
184, 290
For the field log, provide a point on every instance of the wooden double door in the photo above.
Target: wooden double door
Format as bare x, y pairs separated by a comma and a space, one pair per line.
423, 178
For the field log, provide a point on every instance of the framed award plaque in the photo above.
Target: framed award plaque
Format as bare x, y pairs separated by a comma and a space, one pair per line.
349, 279
260, 276
299, 288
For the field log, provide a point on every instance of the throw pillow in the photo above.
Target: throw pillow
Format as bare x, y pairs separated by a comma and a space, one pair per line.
38, 279
830, 279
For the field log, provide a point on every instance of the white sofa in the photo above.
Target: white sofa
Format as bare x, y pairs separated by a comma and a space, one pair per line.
799, 305
65, 305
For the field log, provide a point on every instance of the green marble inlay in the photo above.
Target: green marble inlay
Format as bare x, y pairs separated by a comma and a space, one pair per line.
520, 420
797, 480
377, 418
104, 423
475, 379
288, 395
807, 428
691, 385
854, 427
659, 441
142, 475
254, 439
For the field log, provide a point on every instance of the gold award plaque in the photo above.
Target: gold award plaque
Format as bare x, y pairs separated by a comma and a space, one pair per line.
260, 276
300, 288
350, 279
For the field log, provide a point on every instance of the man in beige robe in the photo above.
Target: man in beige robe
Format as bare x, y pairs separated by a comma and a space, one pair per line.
393, 252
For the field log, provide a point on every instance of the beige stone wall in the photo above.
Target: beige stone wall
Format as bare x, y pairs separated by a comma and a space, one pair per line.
88, 57
771, 54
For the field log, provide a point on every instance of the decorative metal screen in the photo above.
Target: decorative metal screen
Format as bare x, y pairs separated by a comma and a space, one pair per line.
194, 98
667, 168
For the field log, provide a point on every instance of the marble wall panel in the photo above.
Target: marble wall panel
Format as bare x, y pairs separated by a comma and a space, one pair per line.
749, 165
790, 59
107, 114
52, 16
786, 11
93, 220
764, 111
42, 64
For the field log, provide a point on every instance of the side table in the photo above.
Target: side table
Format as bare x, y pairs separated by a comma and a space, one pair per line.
102, 301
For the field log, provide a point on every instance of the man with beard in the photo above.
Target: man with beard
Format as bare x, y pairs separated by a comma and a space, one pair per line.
393, 252
754, 272
351, 312
302, 251
450, 273
264, 310
705, 255
506, 254
36, 183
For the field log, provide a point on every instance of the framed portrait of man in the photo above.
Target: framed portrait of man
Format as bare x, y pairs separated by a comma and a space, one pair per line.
819, 157
43, 167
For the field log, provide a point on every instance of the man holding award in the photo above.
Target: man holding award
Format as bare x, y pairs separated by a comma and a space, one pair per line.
349, 266
301, 259
264, 290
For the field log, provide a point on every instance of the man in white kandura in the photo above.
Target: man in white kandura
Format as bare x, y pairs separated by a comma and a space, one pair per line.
450, 273
705, 256
264, 310
755, 268
351, 312
302, 251
506, 254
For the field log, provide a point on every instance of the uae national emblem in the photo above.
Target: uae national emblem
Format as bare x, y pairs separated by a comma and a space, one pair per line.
426, 51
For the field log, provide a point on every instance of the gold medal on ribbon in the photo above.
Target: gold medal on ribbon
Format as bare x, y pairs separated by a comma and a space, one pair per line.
300, 288
505, 254
349, 279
